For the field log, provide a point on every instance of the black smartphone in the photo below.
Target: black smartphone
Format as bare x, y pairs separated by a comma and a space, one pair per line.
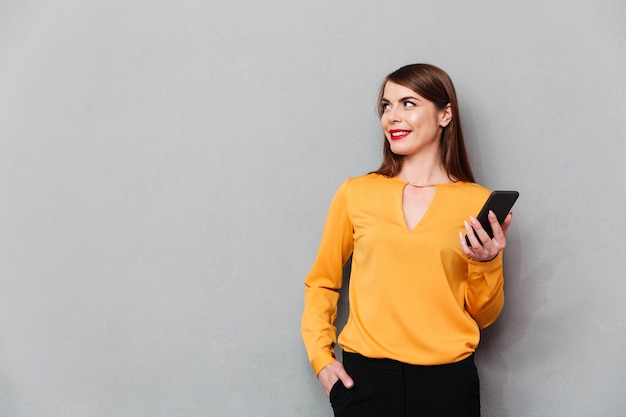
500, 202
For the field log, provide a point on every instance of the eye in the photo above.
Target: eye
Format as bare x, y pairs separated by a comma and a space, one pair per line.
384, 106
409, 103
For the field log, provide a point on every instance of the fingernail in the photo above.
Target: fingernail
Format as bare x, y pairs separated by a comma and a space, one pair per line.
473, 220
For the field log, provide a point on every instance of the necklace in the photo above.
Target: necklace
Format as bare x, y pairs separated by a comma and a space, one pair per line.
422, 185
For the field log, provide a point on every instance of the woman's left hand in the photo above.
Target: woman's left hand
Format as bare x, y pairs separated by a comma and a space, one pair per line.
490, 248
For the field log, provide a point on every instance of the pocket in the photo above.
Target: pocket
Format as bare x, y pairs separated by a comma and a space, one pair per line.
336, 390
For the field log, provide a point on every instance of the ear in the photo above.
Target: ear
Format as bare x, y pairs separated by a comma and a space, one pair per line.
445, 116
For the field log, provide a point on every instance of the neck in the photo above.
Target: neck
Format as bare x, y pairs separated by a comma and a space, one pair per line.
423, 172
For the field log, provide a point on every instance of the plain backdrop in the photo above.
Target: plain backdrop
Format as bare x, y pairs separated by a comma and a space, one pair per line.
166, 167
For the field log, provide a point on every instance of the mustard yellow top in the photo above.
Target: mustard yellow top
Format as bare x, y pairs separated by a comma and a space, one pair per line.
414, 295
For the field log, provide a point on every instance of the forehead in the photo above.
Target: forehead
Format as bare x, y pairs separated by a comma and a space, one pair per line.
393, 91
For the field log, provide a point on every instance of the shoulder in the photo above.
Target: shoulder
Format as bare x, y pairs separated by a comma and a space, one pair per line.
368, 188
473, 189
470, 194
369, 180
369, 183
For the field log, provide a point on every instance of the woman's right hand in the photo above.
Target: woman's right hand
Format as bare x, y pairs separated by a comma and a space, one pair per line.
331, 373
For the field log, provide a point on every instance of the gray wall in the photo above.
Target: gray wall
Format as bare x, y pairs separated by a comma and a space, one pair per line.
165, 170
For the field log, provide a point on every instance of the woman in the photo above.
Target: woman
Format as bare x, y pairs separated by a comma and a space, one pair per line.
418, 294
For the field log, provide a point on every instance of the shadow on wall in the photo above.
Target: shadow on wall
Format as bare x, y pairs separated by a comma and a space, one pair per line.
343, 306
523, 309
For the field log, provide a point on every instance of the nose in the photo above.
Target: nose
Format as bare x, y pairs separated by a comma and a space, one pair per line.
393, 115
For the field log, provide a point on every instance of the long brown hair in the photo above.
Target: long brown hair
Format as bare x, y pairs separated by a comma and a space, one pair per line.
435, 85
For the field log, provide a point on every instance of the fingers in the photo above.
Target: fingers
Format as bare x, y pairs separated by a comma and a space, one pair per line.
340, 373
477, 251
333, 372
345, 378
507, 222
500, 230
472, 231
483, 248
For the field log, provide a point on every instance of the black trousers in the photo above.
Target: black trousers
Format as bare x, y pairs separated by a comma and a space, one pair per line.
388, 388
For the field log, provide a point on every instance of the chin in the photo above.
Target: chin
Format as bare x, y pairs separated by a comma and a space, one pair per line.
399, 150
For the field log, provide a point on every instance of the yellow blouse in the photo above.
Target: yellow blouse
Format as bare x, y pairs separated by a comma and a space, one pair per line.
414, 295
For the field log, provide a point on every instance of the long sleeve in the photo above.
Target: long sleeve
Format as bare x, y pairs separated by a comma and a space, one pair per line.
323, 283
484, 295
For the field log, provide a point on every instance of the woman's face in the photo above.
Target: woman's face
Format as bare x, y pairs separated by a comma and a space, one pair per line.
411, 123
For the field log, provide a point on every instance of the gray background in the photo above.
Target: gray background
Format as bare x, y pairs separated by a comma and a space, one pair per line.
165, 170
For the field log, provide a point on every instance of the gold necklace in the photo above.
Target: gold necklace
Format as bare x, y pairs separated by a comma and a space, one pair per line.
421, 185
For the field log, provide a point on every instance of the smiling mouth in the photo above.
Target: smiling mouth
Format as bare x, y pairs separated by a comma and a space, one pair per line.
398, 134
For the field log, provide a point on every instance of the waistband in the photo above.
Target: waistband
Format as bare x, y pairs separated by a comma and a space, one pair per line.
355, 359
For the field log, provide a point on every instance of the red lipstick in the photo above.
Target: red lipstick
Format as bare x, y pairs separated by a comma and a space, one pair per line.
397, 134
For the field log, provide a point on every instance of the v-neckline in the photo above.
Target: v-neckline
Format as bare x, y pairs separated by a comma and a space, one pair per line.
424, 215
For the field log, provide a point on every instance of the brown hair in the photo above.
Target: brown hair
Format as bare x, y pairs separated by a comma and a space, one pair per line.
435, 85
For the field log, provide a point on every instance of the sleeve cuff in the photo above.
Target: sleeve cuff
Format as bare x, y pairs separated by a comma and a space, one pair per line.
321, 360
487, 266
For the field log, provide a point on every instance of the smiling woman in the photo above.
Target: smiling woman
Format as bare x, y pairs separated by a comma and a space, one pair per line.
429, 84
418, 294
411, 124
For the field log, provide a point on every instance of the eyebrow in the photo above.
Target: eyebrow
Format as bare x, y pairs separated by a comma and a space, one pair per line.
402, 99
